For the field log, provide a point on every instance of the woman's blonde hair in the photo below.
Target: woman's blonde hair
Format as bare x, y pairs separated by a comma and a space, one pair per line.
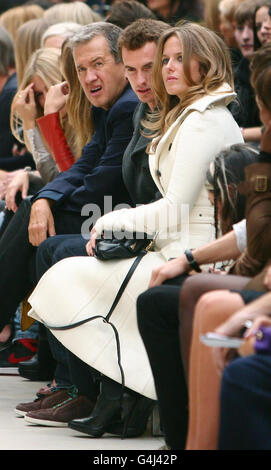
45, 63
13, 18
78, 107
78, 12
212, 54
28, 40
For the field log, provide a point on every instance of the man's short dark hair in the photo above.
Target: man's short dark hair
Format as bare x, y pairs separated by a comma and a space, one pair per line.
140, 32
126, 12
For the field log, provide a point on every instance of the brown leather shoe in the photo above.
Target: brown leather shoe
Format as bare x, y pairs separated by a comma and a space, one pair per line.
60, 415
44, 400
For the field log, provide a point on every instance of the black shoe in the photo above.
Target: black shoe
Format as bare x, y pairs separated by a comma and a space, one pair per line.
125, 418
105, 413
136, 411
18, 351
41, 366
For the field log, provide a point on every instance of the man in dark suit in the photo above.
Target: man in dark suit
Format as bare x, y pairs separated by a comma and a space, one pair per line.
57, 208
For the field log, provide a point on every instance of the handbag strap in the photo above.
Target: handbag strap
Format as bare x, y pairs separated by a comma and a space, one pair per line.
107, 317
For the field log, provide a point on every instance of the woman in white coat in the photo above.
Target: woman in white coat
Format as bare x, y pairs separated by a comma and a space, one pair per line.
193, 83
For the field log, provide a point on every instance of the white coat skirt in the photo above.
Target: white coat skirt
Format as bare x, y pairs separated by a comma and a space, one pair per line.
79, 287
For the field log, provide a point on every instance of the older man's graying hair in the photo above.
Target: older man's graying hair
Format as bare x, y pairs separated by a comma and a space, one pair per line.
109, 31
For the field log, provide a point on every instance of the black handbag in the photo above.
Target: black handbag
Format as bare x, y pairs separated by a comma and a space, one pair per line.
116, 248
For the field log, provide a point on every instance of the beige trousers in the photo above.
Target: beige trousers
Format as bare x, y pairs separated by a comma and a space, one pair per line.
212, 309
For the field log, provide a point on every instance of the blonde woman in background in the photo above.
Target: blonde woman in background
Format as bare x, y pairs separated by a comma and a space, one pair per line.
27, 41
78, 12
13, 18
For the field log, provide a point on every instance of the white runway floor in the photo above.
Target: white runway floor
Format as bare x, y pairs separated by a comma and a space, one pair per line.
16, 434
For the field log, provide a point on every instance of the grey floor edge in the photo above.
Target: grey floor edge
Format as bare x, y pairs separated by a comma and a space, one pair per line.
16, 434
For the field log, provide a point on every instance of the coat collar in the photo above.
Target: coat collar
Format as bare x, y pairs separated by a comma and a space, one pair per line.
224, 93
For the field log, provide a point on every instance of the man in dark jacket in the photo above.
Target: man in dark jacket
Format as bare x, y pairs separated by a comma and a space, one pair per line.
57, 208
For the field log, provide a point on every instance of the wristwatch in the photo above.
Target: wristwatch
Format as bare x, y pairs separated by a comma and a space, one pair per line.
192, 262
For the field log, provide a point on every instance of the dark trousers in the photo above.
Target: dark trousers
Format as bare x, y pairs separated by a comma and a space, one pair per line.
70, 370
245, 421
158, 322
17, 257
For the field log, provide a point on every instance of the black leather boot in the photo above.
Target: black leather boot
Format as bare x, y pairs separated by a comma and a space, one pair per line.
106, 412
136, 410
125, 417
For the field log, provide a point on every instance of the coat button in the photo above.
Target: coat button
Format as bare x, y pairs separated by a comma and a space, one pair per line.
159, 174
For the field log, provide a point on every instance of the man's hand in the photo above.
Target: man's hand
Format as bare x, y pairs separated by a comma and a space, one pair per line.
41, 223
169, 270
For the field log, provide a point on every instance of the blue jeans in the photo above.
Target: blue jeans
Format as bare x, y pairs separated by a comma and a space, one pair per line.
30, 333
245, 421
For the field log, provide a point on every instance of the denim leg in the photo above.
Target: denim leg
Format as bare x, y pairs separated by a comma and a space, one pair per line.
245, 418
31, 333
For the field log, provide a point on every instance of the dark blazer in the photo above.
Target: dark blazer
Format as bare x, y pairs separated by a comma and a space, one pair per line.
98, 172
135, 167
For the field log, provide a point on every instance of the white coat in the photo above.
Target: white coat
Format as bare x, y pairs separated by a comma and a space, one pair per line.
78, 287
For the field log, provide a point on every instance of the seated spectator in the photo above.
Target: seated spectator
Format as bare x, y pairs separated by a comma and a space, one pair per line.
226, 26
27, 41
172, 11
254, 259
96, 173
245, 110
77, 12
124, 12
13, 18
8, 86
42, 71
261, 23
222, 180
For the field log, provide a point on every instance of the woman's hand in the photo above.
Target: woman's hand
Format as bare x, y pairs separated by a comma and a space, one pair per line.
5, 179
20, 182
56, 98
169, 270
26, 108
263, 320
90, 246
